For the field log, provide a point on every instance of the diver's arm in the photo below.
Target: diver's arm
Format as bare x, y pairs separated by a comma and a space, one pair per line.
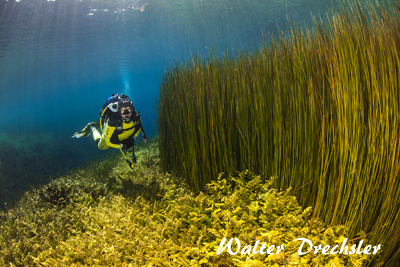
108, 132
139, 120
141, 127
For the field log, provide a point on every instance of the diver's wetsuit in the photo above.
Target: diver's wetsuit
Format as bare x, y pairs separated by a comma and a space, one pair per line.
116, 131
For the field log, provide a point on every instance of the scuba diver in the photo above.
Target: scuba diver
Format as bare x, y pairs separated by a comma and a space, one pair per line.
120, 124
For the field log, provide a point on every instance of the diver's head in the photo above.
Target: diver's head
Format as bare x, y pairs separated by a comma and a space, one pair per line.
125, 108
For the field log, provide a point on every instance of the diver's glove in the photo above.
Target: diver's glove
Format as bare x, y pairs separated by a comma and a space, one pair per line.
144, 138
85, 131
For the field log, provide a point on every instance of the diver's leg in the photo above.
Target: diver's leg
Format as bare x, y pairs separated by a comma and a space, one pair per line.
99, 139
89, 126
133, 153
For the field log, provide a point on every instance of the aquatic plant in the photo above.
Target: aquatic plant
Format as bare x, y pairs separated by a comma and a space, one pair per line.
317, 107
172, 226
33, 159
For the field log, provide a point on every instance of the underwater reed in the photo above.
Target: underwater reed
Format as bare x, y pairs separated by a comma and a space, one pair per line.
317, 107
106, 214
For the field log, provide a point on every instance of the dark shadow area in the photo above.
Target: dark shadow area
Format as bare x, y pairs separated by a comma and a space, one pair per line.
34, 159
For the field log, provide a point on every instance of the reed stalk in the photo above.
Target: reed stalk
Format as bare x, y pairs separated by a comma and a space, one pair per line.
317, 107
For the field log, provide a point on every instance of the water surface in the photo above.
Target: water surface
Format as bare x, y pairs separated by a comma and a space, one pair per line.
60, 59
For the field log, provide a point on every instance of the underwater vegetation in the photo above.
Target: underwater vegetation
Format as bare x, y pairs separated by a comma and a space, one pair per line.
318, 107
32, 159
106, 214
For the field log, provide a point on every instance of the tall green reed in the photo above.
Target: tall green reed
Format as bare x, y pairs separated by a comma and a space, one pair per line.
317, 107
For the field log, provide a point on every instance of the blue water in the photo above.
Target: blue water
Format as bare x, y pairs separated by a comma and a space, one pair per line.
60, 60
